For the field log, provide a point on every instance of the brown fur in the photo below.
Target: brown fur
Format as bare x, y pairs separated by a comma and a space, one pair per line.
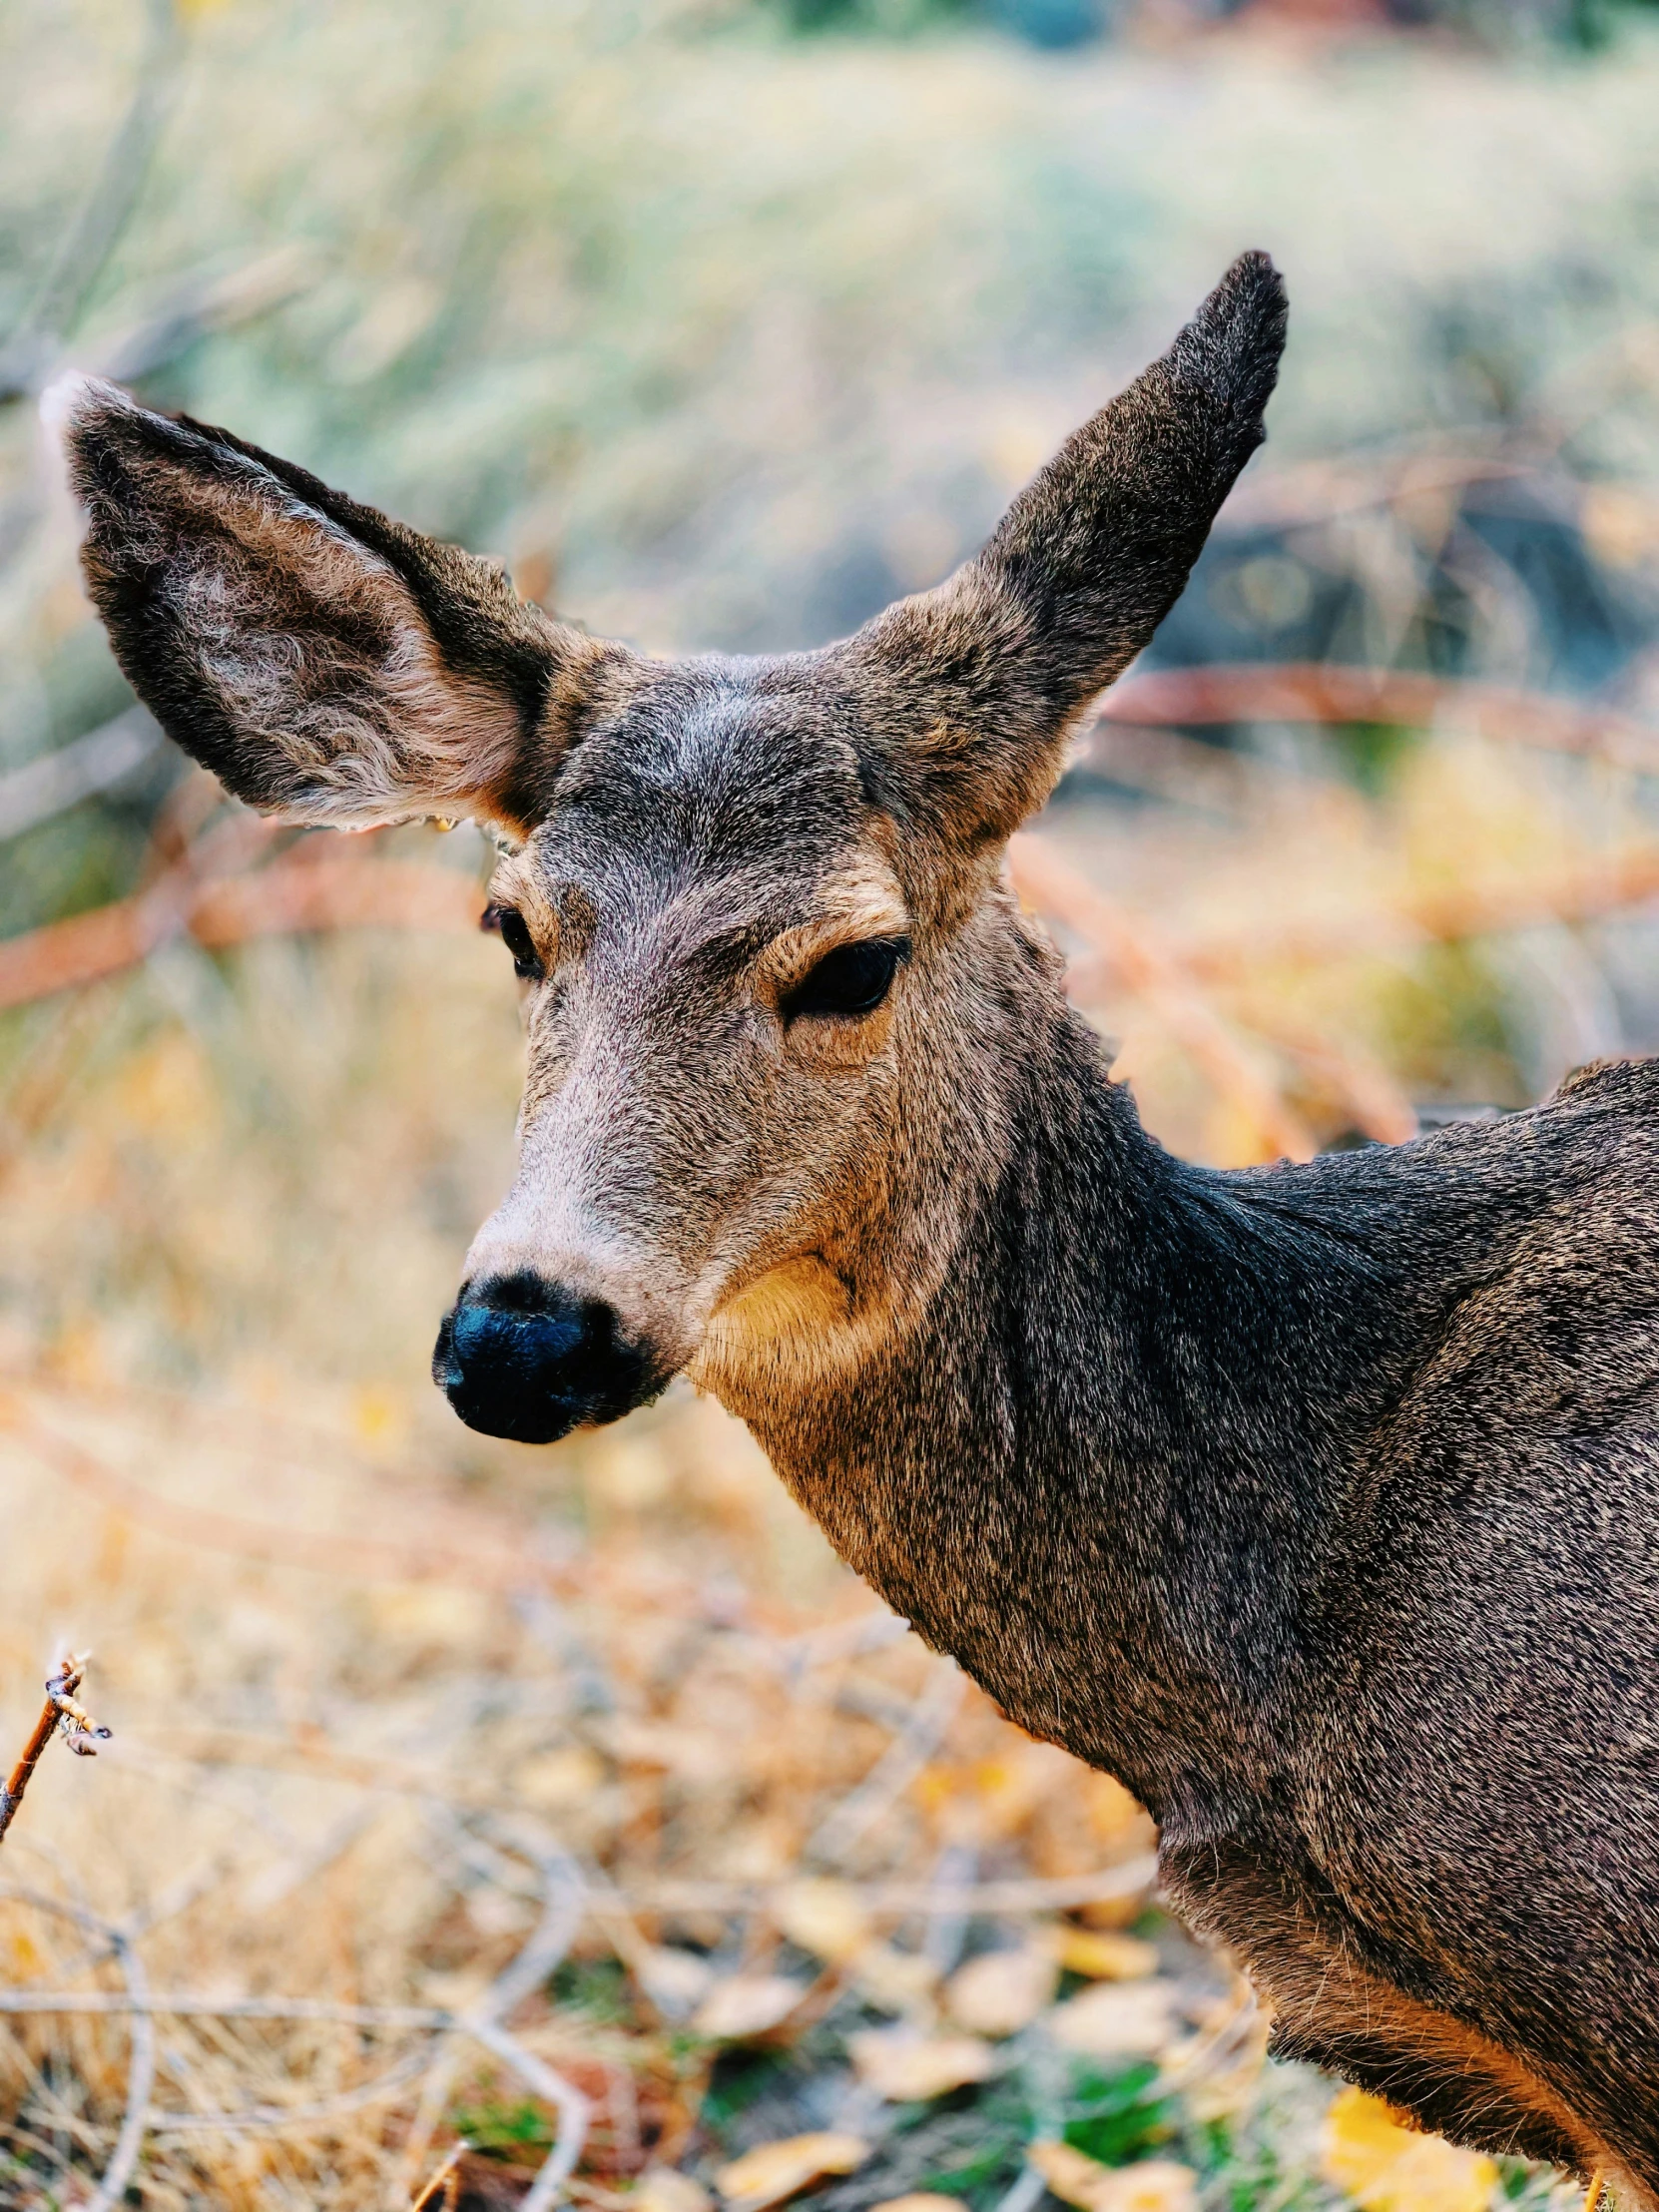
1320, 1504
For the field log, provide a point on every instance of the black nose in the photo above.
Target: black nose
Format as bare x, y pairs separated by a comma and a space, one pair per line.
517, 1357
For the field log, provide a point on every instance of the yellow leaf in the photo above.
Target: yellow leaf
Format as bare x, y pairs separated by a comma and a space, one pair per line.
824, 1917
1073, 2176
1002, 1991
1112, 2022
1387, 2166
747, 2004
674, 1978
1154, 2185
908, 2068
918, 2200
664, 2189
895, 1980
1105, 1957
773, 2172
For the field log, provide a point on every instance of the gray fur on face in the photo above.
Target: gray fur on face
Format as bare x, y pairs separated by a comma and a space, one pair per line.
1318, 1503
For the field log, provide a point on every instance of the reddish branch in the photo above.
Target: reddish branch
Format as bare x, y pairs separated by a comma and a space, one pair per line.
1326, 692
61, 1714
315, 889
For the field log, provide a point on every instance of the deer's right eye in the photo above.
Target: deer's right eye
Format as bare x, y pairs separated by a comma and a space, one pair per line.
852, 981
510, 925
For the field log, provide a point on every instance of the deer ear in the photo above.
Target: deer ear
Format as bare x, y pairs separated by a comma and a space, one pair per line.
970, 690
326, 664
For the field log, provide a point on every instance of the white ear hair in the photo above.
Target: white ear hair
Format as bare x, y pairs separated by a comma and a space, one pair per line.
72, 396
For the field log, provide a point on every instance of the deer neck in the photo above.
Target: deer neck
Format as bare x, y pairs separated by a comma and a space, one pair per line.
1099, 1449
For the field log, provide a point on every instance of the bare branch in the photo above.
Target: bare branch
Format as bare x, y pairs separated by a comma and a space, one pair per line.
140, 2079
63, 1715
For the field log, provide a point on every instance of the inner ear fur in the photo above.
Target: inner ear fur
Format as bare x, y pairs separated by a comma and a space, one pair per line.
326, 663
968, 691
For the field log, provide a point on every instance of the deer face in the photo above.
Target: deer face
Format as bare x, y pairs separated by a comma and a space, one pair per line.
756, 904
715, 954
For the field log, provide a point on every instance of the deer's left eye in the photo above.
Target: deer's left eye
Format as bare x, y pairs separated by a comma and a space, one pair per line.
514, 933
852, 981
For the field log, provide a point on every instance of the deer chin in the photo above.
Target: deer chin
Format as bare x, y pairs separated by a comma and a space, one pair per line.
798, 1327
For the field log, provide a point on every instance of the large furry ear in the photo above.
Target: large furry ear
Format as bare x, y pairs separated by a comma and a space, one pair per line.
967, 690
326, 664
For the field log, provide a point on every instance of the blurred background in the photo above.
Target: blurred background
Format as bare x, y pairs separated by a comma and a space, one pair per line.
577, 1805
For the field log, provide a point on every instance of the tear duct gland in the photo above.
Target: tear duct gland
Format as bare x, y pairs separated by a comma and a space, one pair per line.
1320, 1504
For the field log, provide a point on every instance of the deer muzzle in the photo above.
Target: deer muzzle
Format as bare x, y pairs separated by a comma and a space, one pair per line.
520, 1356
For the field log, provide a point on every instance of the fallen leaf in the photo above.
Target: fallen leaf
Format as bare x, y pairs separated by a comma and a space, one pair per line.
919, 2200
747, 2004
1105, 1957
1115, 1912
1112, 2020
1002, 1991
1072, 2175
1387, 2166
895, 1980
773, 2172
908, 2068
826, 1918
665, 2189
1154, 2185
671, 1979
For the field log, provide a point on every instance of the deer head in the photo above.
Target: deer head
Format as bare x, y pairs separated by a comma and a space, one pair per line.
770, 971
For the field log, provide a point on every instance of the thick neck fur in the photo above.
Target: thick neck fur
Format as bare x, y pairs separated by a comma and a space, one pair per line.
1118, 1466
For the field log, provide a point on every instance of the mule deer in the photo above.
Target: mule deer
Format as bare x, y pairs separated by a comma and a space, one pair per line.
1320, 1504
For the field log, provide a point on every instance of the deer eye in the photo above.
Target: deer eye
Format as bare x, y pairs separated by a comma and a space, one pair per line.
509, 924
853, 980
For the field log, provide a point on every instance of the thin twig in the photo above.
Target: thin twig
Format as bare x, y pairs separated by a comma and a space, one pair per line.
1598, 889
445, 2174
54, 781
296, 896
923, 1730
1330, 693
271, 2118
564, 1892
567, 2100
141, 2081
61, 1714
182, 2006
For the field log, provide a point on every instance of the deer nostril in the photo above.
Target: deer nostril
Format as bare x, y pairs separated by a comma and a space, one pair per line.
523, 1358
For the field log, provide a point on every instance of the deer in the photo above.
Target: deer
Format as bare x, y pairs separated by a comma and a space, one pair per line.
1317, 1502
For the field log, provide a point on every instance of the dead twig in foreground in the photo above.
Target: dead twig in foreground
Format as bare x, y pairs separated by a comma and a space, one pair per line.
446, 2178
61, 1714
